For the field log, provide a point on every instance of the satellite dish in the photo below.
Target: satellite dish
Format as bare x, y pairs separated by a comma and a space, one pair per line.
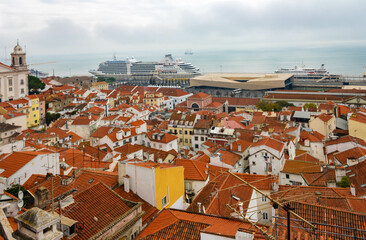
20, 203
20, 195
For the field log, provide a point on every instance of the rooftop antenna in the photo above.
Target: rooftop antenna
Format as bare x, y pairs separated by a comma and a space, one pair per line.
114, 57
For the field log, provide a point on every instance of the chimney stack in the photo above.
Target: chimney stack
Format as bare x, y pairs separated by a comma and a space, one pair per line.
353, 189
199, 207
126, 183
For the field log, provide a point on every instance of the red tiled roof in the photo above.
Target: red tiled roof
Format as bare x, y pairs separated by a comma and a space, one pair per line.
297, 167
83, 180
345, 139
15, 161
353, 153
242, 143
193, 169
199, 95
149, 210
81, 121
357, 176
218, 191
214, 105
269, 142
111, 207
319, 178
13, 115
306, 157
324, 117
229, 157
177, 224
101, 132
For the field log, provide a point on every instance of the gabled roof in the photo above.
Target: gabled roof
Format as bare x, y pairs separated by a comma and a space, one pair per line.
297, 167
353, 153
270, 142
324, 117
199, 95
193, 169
345, 139
97, 209
15, 161
357, 176
229, 157
177, 224
320, 179
218, 191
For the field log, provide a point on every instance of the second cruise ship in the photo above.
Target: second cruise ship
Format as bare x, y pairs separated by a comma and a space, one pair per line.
132, 69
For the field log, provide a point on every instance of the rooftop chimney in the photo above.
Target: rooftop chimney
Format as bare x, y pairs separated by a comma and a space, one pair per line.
199, 207
126, 183
353, 190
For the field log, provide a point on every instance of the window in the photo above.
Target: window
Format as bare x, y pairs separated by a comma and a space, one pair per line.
163, 201
134, 235
10, 89
22, 91
196, 146
264, 198
10, 81
287, 176
196, 138
180, 131
253, 163
185, 132
265, 216
202, 139
33, 109
186, 140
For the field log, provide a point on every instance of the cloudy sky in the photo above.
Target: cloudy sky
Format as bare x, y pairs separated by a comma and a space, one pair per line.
96, 26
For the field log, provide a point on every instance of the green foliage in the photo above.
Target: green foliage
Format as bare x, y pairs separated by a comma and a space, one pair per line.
344, 182
309, 105
283, 104
107, 80
51, 117
35, 83
270, 106
14, 191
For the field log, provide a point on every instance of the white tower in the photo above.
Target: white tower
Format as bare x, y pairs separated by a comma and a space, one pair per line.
18, 59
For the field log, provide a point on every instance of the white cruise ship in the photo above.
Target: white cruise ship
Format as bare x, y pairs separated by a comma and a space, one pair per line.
132, 68
304, 72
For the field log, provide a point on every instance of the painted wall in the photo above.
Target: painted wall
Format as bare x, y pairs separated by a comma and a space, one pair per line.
169, 183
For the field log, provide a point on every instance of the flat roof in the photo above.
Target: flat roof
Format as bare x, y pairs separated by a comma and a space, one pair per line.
250, 81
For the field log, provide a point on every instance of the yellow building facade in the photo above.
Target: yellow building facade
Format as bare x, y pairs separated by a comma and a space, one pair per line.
100, 85
154, 99
33, 116
357, 127
169, 184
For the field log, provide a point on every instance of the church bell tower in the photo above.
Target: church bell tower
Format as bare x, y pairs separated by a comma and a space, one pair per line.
18, 59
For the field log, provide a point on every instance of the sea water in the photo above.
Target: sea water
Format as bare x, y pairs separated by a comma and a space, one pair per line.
337, 60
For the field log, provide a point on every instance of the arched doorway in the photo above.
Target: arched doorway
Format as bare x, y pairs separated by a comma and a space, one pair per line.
195, 107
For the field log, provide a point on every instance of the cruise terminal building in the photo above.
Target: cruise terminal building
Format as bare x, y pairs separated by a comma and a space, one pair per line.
243, 85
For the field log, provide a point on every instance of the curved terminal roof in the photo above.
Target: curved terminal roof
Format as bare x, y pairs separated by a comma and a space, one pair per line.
250, 81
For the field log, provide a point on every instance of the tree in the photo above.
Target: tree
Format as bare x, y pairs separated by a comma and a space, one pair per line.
35, 83
283, 104
14, 191
309, 105
268, 106
51, 117
345, 183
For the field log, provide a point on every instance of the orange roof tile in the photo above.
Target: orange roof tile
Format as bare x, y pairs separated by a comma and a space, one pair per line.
193, 169
177, 224
269, 142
